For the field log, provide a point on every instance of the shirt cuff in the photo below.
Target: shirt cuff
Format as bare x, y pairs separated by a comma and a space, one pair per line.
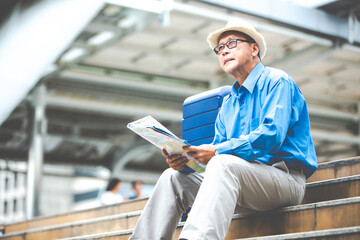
241, 148
223, 148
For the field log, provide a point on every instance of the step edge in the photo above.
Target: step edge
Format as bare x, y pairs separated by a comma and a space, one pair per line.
340, 162
302, 235
74, 224
78, 211
299, 235
307, 206
333, 181
328, 203
100, 235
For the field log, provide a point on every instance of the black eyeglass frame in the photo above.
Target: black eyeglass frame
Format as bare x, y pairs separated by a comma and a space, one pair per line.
217, 52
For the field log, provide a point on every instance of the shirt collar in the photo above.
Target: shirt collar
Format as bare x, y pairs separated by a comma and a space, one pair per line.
251, 79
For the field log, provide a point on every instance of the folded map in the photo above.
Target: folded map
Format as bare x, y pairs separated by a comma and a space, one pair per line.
154, 132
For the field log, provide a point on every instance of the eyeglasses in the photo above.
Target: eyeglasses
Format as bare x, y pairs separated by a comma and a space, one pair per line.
232, 43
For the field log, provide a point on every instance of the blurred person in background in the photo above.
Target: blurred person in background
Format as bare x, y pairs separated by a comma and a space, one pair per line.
136, 191
112, 193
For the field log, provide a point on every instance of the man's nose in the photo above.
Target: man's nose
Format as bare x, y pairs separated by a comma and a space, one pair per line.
225, 51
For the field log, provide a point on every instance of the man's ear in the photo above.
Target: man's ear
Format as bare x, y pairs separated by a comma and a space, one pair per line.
255, 49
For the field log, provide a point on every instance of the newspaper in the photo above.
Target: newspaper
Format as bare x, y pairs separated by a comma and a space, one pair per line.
154, 132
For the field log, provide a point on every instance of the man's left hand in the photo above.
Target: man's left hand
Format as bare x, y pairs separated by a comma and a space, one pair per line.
202, 153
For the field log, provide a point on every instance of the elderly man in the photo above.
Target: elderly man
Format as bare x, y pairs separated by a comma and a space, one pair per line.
260, 157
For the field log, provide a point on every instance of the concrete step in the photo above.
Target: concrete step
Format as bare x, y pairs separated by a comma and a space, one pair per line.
92, 226
326, 215
338, 188
303, 218
316, 191
38, 222
336, 169
350, 233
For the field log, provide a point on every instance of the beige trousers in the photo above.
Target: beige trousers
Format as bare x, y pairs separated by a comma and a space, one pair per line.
230, 185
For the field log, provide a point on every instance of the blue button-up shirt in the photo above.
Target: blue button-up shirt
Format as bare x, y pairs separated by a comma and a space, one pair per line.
266, 119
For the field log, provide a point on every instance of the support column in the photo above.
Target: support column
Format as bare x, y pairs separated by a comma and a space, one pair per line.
358, 127
35, 162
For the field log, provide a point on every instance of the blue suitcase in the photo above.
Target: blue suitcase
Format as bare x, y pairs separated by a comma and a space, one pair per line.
199, 115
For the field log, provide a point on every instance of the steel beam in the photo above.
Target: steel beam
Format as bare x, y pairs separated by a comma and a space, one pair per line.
147, 6
335, 137
111, 109
328, 77
294, 16
333, 114
102, 145
177, 33
349, 63
297, 61
141, 86
262, 26
172, 73
33, 38
164, 52
96, 27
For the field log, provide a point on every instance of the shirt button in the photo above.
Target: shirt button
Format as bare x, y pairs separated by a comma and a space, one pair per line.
242, 102
243, 123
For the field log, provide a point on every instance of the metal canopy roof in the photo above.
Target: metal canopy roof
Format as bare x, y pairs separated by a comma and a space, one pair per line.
131, 62
342, 8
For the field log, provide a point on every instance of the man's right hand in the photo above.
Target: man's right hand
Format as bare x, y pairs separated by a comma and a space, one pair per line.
176, 161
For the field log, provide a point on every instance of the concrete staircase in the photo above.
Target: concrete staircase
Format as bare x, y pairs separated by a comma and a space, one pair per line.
330, 210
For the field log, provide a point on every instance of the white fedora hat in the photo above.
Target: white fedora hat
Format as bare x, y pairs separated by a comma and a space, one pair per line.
239, 25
